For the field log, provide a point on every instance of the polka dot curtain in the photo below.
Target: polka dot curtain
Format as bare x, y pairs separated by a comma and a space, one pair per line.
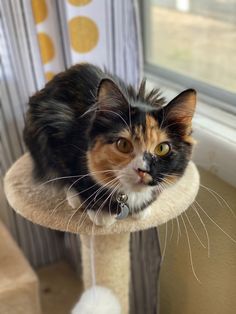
102, 32
87, 32
48, 37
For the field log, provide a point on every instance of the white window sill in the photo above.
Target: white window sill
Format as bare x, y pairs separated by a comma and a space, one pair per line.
215, 132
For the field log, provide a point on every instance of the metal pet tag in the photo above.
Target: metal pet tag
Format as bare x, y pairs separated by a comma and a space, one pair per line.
124, 209
124, 212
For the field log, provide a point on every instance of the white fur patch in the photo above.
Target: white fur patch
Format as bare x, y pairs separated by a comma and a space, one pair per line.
137, 199
138, 194
72, 198
97, 300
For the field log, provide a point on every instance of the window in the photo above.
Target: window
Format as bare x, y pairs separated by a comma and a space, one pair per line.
193, 42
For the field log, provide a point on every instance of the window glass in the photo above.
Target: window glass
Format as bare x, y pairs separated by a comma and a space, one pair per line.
196, 38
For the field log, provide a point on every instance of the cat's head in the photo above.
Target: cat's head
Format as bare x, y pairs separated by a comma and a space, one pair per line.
136, 141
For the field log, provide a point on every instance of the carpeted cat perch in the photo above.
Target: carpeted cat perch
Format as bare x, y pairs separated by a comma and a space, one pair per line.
44, 206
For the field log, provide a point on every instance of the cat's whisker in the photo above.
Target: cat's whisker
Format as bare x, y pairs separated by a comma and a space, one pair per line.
163, 186
94, 201
76, 181
76, 176
164, 183
58, 178
169, 175
98, 212
130, 123
212, 220
164, 118
190, 250
167, 182
172, 229
107, 184
215, 195
82, 220
116, 189
93, 94
100, 208
116, 113
70, 197
103, 195
165, 243
94, 108
85, 210
179, 230
204, 227
194, 231
77, 194
100, 190
189, 246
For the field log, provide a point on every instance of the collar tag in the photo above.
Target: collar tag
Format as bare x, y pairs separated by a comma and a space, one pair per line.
124, 209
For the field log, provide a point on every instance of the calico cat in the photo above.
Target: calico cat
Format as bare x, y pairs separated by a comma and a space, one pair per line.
117, 148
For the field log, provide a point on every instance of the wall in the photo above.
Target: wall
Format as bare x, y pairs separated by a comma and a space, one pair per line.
181, 293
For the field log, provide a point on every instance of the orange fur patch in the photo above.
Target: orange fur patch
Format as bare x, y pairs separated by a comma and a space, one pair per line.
104, 157
152, 136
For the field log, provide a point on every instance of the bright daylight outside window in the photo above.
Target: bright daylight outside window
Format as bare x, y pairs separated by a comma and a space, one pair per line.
194, 38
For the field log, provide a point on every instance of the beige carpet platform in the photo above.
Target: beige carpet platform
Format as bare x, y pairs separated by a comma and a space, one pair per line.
19, 287
43, 205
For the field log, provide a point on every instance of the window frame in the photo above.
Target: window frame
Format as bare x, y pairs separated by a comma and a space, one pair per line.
216, 96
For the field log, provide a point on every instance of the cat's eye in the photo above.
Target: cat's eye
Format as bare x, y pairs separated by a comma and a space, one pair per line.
162, 149
124, 146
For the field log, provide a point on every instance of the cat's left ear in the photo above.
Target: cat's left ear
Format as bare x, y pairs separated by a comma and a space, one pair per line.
181, 109
109, 95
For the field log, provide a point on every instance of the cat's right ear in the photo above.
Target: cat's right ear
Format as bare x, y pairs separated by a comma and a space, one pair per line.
109, 95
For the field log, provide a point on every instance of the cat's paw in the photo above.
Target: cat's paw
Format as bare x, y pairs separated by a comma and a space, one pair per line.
143, 214
72, 198
102, 219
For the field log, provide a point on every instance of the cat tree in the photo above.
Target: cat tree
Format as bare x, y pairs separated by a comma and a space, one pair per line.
44, 206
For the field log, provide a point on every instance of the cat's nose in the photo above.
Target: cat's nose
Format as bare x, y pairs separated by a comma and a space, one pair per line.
141, 173
144, 176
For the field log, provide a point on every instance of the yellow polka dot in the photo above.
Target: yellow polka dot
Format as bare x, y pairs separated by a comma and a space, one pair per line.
46, 47
83, 33
40, 10
79, 2
49, 75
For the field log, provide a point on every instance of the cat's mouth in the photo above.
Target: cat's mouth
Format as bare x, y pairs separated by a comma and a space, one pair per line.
144, 177
135, 180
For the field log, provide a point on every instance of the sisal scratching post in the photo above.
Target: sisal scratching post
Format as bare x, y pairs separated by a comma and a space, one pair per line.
42, 205
112, 264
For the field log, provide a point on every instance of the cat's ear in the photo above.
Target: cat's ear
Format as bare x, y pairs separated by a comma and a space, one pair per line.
181, 109
109, 95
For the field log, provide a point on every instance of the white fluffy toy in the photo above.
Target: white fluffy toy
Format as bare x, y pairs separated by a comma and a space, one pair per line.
97, 300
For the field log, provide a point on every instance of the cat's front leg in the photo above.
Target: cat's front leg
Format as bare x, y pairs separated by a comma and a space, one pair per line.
72, 198
103, 219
